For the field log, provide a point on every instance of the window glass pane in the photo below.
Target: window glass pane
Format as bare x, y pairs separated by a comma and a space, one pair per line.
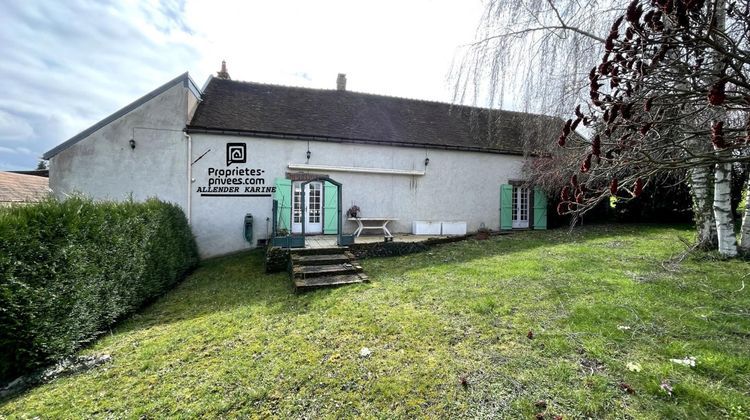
297, 205
315, 197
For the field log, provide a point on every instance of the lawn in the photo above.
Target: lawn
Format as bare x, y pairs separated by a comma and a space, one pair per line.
449, 335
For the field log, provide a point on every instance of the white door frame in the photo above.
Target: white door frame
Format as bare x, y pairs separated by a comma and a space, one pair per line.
521, 207
313, 216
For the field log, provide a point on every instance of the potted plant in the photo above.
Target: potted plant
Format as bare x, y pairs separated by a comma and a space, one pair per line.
285, 240
353, 211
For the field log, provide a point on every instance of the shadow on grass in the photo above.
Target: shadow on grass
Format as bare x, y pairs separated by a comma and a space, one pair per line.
226, 283
462, 300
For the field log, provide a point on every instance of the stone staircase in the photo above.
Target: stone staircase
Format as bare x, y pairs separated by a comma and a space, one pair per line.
311, 268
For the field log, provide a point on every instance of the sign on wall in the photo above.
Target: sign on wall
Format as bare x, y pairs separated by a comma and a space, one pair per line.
237, 181
236, 153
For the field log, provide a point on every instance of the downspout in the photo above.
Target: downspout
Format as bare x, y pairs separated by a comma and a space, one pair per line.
188, 210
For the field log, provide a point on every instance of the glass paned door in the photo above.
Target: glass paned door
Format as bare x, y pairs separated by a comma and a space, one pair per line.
520, 207
314, 208
313, 214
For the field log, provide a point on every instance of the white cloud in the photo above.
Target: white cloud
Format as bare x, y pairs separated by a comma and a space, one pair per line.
387, 47
13, 128
69, 64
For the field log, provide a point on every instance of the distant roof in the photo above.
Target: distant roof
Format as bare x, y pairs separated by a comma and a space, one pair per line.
19, 188
184, 78
245, 108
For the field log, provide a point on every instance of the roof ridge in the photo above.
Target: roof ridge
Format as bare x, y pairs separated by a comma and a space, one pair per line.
403, 98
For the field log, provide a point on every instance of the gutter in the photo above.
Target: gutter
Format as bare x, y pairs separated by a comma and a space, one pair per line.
331, 139
188, 211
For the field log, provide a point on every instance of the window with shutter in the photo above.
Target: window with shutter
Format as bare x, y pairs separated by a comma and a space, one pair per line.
283, 197
330, 209
506, 206
540, 209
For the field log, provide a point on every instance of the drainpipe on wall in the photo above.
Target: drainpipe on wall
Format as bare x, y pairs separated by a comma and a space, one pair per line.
189, 175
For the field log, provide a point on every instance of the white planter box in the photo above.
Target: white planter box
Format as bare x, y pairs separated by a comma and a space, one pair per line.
453, 228
419, 227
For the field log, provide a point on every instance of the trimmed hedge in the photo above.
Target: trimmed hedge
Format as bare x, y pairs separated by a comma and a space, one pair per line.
70, 269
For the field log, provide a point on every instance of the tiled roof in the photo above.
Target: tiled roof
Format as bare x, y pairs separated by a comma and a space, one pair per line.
18, 188
260, 109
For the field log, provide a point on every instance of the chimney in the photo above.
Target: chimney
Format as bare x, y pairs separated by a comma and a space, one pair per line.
341, 82
223, 73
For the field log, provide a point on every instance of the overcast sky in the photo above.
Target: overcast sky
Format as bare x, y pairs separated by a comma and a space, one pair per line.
68, 64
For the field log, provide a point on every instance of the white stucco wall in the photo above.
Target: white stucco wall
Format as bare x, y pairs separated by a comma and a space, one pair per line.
103, 165
457, 186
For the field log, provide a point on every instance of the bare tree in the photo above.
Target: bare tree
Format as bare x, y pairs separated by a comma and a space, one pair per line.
670, 93
536, 51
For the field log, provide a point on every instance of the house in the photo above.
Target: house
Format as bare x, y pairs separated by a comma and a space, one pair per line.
18, 189
279, 153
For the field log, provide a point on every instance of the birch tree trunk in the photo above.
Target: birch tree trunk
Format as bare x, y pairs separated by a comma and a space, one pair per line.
723, 210
745, 230
701, 182
701, 189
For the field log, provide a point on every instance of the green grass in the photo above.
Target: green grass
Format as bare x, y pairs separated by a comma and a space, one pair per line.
232, 341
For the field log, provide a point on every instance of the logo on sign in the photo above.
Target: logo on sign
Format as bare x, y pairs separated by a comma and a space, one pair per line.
236, 153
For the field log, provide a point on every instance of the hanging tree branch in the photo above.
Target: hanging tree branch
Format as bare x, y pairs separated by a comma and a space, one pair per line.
670, 93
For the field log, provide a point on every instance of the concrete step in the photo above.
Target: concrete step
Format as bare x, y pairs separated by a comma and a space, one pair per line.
333, 280
322, 259
305, 271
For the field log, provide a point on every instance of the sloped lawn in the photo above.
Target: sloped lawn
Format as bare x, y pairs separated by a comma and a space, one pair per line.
449, 335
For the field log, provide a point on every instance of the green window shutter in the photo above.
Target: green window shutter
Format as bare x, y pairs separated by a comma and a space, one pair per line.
506, 206
283, 196
330, 209
540, 209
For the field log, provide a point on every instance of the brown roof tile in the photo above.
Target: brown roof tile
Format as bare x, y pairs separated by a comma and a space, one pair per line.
253, 108
18, 188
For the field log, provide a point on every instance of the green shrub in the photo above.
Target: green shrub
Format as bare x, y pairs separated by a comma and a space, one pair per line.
70, 269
